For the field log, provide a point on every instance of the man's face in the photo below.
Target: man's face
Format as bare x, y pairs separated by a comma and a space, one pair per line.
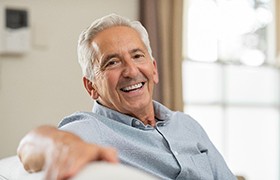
125, 74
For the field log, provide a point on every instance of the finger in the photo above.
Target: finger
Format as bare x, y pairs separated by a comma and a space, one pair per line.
109, 155
94, 153
57, 163
76, 162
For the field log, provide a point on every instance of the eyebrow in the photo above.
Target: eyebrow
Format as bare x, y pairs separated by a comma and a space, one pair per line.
136, 50
110, 56
104, 59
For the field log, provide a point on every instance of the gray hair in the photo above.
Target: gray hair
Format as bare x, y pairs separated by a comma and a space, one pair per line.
88, 53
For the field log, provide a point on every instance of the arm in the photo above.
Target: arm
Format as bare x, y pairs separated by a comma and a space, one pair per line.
61, 154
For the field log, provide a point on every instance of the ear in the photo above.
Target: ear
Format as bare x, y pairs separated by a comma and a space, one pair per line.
91, 89
155, 72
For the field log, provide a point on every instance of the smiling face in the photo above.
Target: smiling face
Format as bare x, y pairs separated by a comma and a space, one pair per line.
125, 73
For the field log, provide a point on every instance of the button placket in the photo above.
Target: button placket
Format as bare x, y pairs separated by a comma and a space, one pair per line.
174, 153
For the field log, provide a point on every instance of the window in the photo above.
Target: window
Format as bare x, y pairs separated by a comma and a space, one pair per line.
231, 81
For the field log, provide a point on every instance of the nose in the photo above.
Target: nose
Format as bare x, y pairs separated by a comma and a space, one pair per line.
130, 68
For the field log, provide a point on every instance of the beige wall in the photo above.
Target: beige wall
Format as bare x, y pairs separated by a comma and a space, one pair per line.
44, 85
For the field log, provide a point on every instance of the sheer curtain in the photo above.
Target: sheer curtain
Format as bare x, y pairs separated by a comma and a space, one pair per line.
277, 16
163, 20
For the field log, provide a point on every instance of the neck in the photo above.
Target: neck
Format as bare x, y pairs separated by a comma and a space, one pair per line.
147, 116
150, 121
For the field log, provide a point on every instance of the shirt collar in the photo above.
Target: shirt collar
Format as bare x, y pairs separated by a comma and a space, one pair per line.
162, 114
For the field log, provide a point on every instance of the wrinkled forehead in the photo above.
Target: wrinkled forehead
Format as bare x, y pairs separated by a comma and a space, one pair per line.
116, 36
117, 39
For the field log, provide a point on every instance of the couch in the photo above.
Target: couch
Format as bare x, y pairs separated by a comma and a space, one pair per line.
12, 169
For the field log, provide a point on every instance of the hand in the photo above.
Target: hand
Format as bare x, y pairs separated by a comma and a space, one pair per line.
61, 154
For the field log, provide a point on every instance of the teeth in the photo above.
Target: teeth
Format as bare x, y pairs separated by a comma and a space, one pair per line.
135, 86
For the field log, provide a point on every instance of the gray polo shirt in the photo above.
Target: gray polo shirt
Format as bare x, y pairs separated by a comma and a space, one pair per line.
176, 148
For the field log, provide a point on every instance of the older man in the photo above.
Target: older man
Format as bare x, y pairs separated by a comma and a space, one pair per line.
120, 73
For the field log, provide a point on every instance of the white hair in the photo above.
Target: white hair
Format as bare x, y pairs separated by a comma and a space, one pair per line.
88, 54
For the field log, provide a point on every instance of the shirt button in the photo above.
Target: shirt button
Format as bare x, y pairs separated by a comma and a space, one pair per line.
175, 153
137, 123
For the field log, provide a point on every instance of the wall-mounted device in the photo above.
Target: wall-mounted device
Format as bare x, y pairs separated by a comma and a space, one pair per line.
14, 31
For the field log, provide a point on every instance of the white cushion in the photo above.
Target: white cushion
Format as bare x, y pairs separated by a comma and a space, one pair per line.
103, 170
12, 169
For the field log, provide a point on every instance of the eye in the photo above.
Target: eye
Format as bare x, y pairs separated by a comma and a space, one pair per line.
112, 62
138, 55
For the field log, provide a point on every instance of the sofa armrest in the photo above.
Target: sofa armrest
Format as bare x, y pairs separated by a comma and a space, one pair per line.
11, 168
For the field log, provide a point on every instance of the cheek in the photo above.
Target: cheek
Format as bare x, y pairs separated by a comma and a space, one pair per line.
110, 81
151, 73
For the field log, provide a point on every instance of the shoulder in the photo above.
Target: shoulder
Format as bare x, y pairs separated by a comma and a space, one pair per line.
86, 125
187, 122
185, 118
78, 117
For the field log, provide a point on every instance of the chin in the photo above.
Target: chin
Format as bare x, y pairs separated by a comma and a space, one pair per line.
139, 104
